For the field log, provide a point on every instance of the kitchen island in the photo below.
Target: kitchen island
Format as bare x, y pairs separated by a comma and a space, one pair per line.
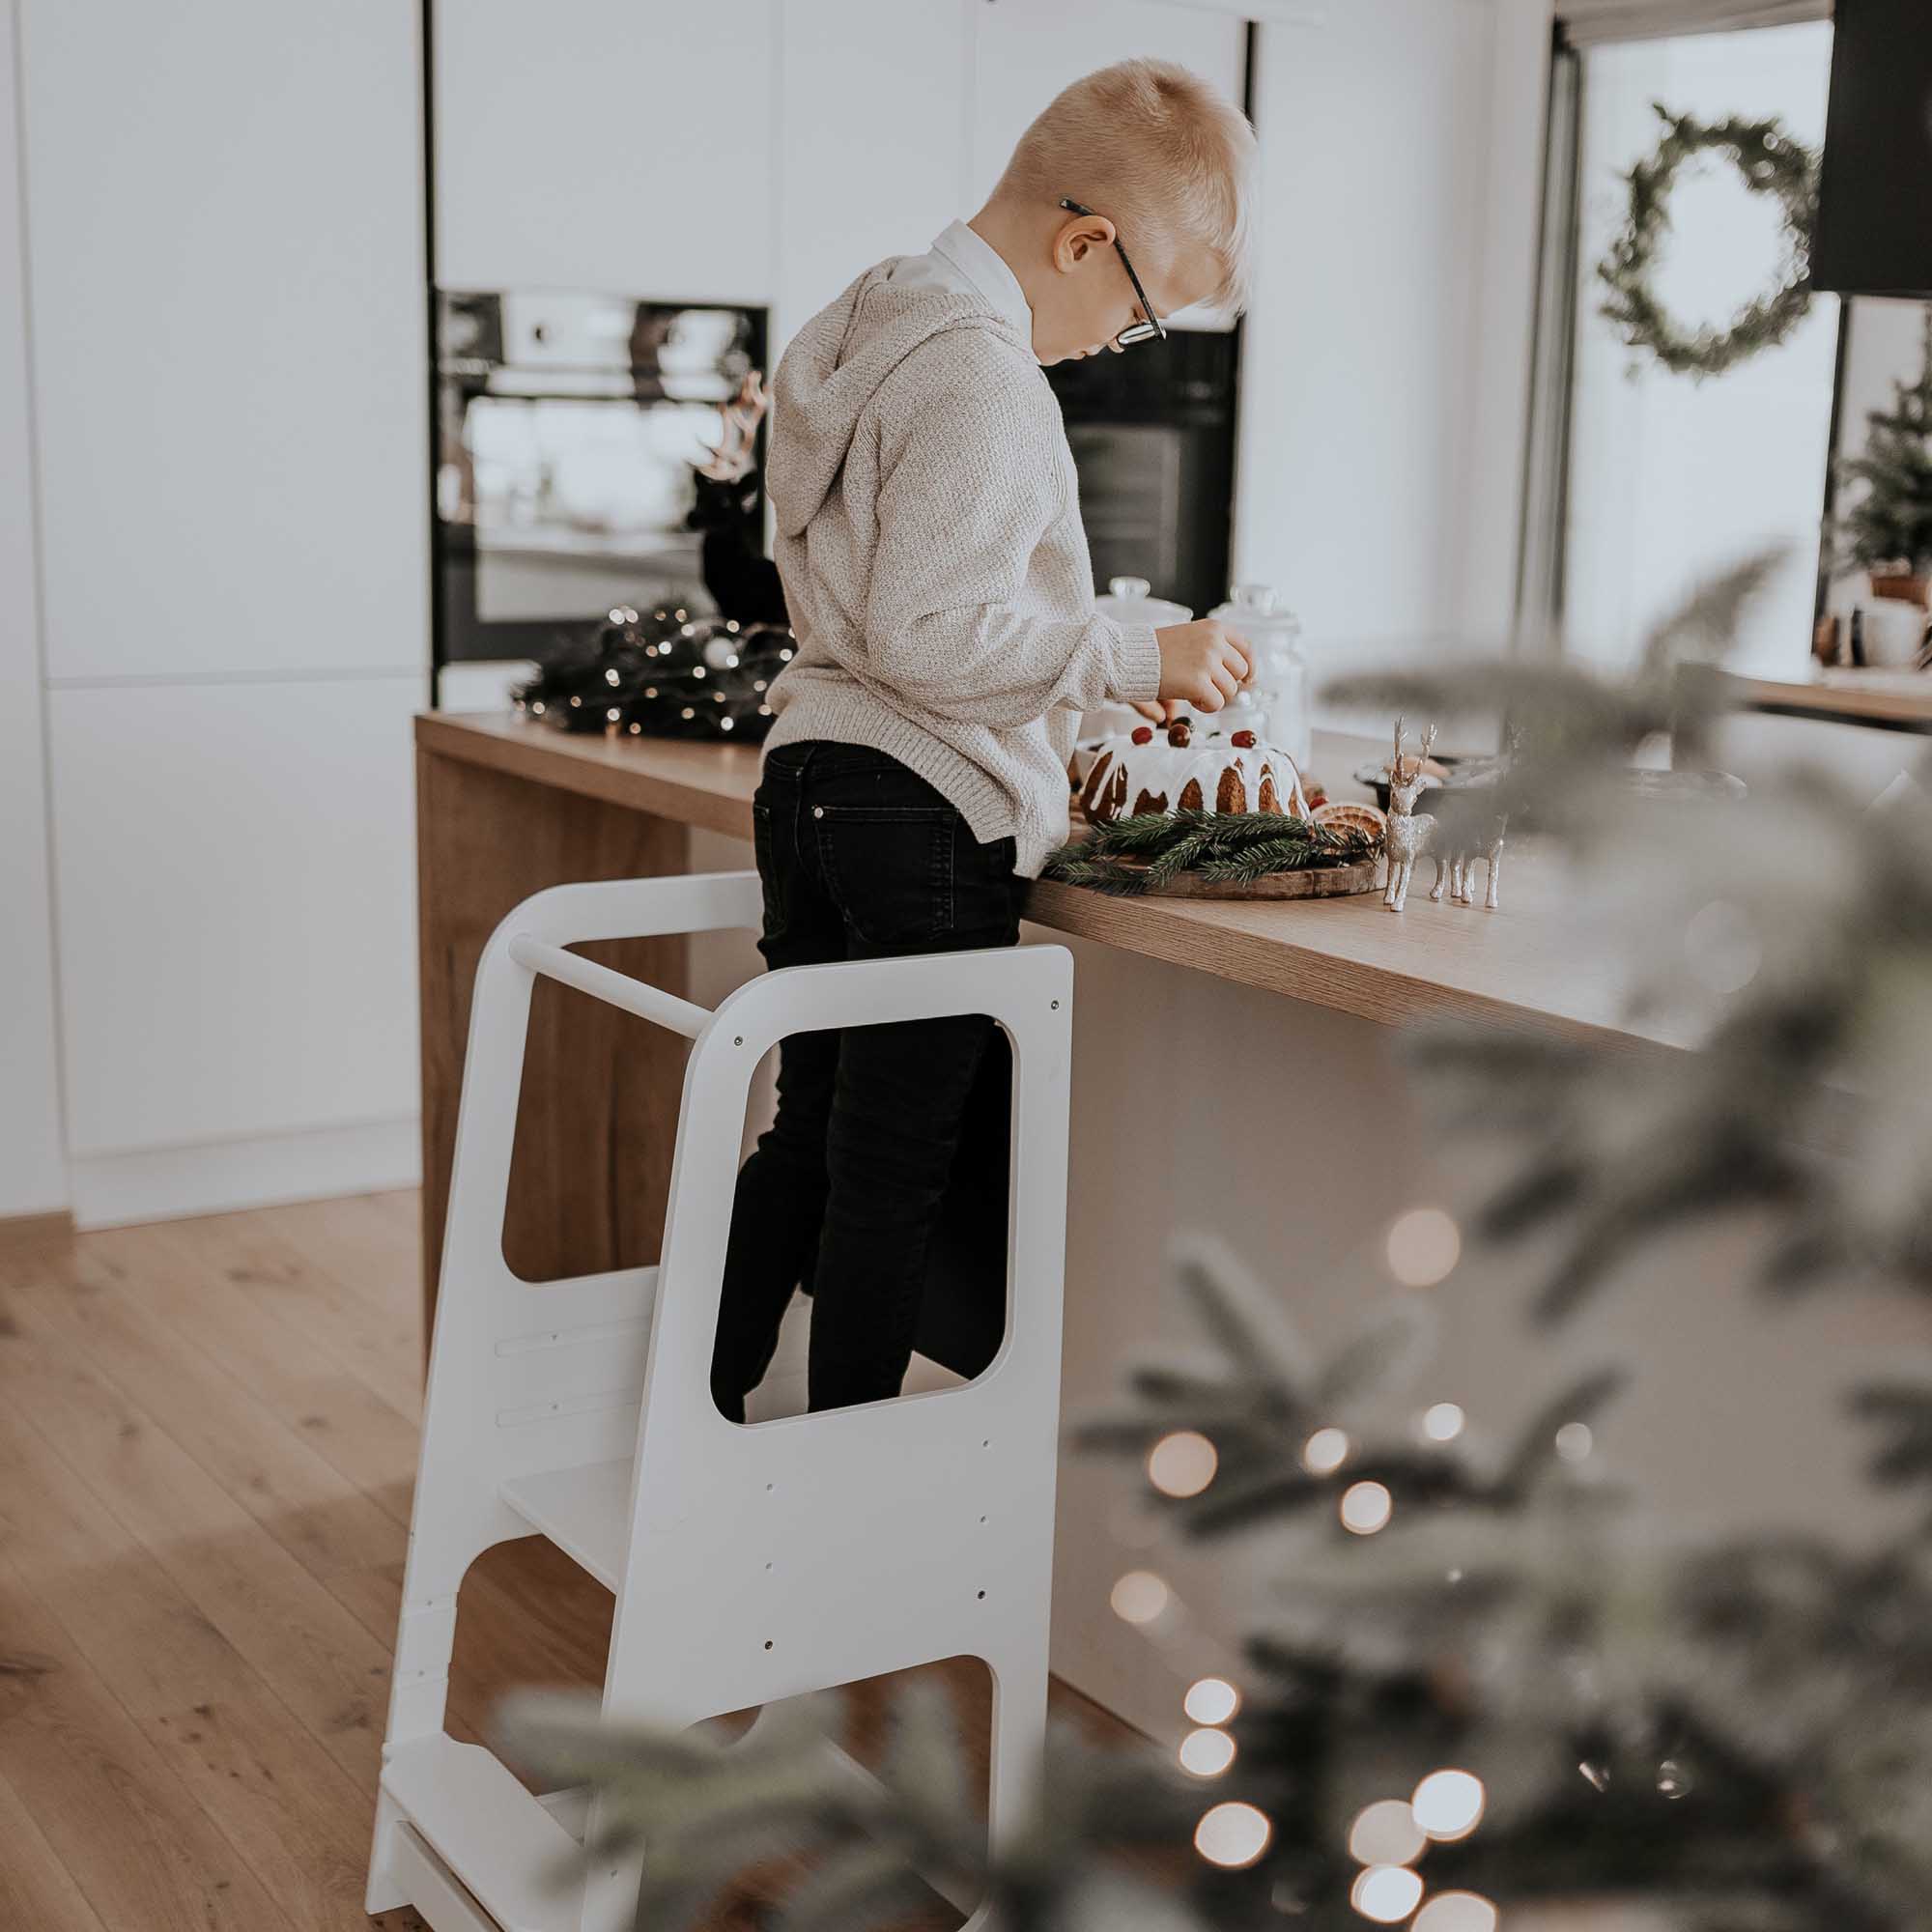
1232, 1069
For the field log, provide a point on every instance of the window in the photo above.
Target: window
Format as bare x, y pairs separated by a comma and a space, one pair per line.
1666, 480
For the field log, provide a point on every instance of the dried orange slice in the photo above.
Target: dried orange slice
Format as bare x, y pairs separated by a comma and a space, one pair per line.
1346, 815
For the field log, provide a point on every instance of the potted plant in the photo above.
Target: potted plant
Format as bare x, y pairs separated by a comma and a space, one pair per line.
1888, 531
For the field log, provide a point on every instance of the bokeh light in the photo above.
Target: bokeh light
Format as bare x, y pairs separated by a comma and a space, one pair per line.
1448, 1803
1366, 1507
1423, 1246
1443, 1421
1183, 1464
1140, 1596
1574, 1441
1325, 1452
1207, 1753
1211, 1700
1456, 1912
1233, 1834
1386, 1834
1386, 1894
1721, 943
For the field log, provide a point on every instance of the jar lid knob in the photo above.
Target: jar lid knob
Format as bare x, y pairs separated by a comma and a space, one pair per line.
1257, 597
1128, 586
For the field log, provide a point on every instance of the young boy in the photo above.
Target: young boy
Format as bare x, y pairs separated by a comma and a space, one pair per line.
938, 578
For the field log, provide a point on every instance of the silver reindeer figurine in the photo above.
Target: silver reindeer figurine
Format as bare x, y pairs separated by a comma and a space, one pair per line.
1408, 831
1472, 830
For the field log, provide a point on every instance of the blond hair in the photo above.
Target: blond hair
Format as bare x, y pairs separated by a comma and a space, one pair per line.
1164, 155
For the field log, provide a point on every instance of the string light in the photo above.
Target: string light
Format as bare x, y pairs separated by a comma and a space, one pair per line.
1140, 1596
1423, 1246
1325, 1452
1448, 1805
1442, 1422
1182, 1465
1233, 1834
1207, 1753
1211, 1700
1574, 1441
1456, 1912
1386, 1834
1366, 1507
1386, 1894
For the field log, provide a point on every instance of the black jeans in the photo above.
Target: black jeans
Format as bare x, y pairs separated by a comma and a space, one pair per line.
861, 859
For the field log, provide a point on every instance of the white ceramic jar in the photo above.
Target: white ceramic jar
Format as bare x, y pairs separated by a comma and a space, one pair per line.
1127, 602
1277, 704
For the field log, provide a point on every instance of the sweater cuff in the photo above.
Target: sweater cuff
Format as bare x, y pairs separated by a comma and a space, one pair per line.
1136, 665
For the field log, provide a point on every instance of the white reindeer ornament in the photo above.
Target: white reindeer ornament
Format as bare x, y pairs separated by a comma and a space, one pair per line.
1408, 831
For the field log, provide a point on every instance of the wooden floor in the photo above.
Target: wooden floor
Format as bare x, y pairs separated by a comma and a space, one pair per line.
208, 1436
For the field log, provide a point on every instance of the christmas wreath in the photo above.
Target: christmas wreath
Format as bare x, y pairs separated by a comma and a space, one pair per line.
1770, 162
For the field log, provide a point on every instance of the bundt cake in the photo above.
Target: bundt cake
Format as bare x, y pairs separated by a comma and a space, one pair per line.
1180, 767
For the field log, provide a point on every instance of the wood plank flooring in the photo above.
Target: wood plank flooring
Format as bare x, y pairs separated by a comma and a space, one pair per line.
207, 1437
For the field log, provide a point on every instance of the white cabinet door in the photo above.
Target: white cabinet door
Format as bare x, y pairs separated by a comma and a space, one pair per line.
1025, 51
621, 145
872, 133
227, 276
236, 890
32, 1179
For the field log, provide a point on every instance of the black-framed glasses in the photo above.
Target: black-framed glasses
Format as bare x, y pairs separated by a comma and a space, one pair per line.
1152, 328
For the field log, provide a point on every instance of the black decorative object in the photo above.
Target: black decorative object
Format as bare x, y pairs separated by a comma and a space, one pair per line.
673, 672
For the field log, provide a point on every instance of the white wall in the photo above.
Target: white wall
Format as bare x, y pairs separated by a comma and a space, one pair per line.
1385, 363
226, 280
32, 1177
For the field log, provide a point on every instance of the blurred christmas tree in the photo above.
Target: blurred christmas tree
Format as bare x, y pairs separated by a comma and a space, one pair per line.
1889, 524
1481, 1688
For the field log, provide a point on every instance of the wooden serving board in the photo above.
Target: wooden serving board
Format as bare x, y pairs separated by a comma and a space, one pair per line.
1325, 882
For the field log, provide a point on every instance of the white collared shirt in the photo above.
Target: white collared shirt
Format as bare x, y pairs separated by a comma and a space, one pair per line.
963, 261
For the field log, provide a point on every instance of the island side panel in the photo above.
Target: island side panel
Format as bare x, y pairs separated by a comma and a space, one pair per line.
598, 1115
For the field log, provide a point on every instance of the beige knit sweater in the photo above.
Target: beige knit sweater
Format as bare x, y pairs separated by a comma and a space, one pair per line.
933, 559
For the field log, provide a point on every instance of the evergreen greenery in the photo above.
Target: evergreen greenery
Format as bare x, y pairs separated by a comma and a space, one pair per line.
1889, 524
1142, 854
1734, 1737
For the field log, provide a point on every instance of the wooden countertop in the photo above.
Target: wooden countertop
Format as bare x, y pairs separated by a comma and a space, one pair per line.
1899, 701
1513, 967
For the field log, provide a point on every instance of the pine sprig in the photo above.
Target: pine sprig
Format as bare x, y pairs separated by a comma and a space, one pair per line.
1138, 855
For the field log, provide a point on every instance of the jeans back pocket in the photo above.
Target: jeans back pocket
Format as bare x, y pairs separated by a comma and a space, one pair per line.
888, 869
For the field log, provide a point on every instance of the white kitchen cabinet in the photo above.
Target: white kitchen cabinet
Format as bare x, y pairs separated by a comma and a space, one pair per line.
236, 889
225, 235
862, 79
617, 145
32, 1179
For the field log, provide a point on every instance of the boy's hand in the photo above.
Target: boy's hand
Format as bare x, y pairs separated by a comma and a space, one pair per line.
1203, 662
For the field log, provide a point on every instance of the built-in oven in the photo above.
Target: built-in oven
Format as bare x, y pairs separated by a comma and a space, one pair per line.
1153, 437
568, 425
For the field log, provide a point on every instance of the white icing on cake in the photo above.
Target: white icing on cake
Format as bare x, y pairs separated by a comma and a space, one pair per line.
1209, 773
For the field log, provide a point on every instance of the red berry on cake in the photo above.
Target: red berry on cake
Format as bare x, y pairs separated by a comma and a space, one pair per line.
1179, 733
1143, 734
1245, 740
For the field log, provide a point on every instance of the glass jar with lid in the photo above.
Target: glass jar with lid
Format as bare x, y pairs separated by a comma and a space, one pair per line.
1277, 703
1128, 602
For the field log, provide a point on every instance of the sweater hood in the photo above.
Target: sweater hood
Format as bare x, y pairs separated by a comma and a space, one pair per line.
834, 366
